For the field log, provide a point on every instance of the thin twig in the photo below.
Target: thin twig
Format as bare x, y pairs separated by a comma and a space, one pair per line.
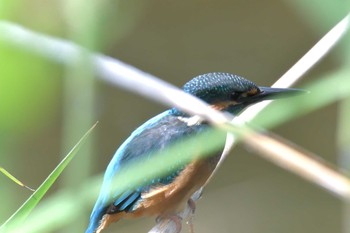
314, 55
110, 70
298, 161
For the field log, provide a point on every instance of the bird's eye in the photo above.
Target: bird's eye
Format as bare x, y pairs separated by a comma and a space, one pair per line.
235, 95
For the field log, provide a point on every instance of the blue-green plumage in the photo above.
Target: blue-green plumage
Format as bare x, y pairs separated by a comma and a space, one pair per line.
218, 87
154, 135
226, 92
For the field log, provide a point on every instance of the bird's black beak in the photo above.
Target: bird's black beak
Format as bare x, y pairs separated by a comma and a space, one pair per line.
270, 93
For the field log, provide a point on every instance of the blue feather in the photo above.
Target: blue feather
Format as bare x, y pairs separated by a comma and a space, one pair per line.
121, 156
123, 197
153, 136
130, 200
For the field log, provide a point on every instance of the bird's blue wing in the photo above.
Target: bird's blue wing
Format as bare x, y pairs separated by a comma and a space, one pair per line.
153, 136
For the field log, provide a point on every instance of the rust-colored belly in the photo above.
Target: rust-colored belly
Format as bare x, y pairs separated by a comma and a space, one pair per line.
169, 199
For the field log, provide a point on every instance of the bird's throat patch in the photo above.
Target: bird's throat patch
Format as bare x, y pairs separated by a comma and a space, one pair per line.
191, 121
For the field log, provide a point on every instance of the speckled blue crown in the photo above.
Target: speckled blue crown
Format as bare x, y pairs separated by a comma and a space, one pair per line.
213, 87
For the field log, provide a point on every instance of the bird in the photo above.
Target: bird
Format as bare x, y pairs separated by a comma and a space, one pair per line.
167, 194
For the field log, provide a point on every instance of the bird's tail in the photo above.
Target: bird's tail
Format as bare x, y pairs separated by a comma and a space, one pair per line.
95, 219
99, 224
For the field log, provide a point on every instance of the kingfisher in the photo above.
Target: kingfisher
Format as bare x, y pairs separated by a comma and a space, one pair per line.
167, 194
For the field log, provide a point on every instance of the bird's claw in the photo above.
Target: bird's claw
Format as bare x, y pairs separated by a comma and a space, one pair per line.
171, 217
192, 205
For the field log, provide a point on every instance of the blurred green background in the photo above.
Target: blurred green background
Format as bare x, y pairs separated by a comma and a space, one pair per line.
45, 107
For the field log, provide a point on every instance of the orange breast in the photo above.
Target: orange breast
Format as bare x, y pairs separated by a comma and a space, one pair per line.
171, 198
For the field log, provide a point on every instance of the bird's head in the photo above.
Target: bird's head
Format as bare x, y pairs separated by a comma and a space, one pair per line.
232, 93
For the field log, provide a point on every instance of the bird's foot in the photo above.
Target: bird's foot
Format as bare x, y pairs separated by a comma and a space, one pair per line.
177, 220
192, 205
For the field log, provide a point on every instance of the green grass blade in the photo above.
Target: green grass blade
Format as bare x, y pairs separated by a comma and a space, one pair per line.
21, 214
14, 179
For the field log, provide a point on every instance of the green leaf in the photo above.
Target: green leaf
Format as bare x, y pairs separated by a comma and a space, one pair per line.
14, 179
22, 213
